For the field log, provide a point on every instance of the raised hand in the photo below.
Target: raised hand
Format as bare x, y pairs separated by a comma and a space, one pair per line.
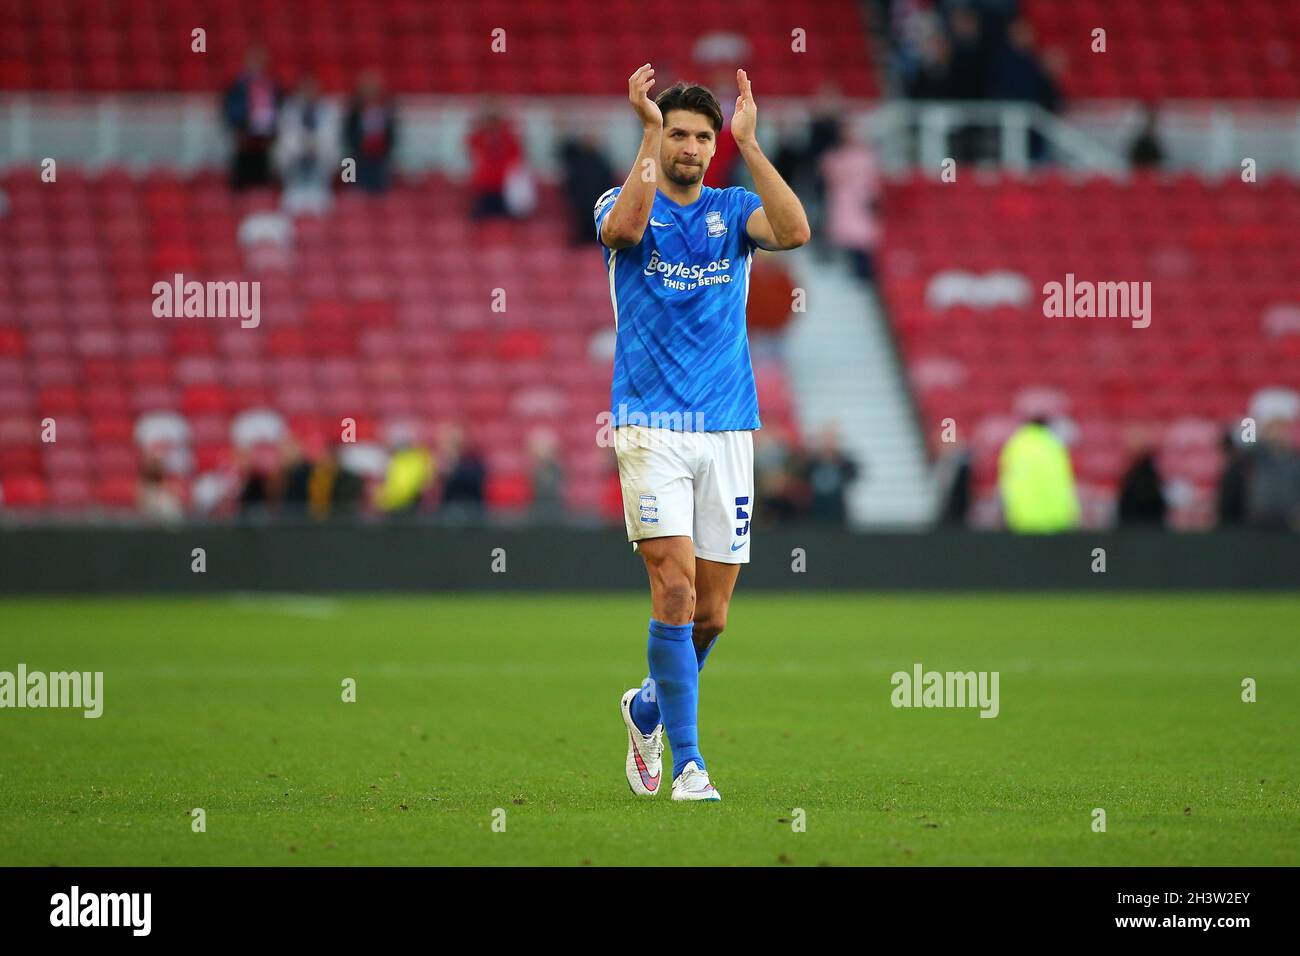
745, 120
638, 85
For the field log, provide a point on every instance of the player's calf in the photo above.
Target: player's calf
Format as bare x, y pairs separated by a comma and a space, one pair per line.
707, 629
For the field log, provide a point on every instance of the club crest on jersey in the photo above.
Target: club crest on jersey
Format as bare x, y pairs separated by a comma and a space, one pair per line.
716, 226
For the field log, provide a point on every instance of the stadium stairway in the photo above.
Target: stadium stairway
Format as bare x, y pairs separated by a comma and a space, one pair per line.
843, 369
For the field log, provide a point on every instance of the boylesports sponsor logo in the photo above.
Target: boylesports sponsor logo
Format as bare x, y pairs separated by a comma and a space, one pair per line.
684, 271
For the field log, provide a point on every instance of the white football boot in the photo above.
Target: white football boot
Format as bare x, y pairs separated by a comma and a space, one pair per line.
693, 784
644, 753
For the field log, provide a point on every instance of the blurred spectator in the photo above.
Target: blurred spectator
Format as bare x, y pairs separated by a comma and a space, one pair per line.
297, 478
587, 174
154, 498
371, 132
1019, 75
1145, 152
262, 489
464, 490
494, 150
829, 472
611, 491
968, 71
1141, 492
954, 477
1231, 498
306, 148
853, 190
409, 475
782, 499
932, 77
982, 51
827, 110
1273, 489
909, 25
286, 480
547, 475
251, 110
1036, 481
255, 493
1055, 62
333, 490
968, 77
771, 293
787, 157
782, 496
822, 131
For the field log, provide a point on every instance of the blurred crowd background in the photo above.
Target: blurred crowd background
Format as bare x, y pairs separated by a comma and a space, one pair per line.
382, 382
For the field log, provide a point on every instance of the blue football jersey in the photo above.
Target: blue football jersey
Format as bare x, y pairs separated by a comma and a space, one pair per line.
681, 358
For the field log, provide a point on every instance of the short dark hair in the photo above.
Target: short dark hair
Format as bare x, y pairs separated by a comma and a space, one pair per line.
692, 97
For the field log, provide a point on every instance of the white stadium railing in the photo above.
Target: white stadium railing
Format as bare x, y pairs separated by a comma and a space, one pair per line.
184, 132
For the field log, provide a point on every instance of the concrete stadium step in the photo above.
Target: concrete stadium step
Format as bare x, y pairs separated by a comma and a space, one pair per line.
843, 370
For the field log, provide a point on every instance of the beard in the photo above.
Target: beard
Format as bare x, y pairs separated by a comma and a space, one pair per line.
684, 175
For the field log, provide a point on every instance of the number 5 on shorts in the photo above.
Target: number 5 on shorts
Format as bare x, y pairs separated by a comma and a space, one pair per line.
742, 515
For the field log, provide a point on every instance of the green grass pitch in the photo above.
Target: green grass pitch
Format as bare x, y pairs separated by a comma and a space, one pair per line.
470, 704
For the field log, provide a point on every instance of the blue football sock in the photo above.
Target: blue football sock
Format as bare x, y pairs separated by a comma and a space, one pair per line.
703, 655
645, 713
676, 675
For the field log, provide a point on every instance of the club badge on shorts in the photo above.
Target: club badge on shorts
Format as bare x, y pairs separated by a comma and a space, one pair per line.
649, 509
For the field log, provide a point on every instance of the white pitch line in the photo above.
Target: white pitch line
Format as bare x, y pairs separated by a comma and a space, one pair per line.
294, 605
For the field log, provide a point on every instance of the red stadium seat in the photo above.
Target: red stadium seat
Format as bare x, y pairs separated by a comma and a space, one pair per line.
1204, 354
423, 48
23, 491
508, 492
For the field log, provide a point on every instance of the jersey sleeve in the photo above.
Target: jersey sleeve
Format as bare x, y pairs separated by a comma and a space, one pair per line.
603, 205
748, 202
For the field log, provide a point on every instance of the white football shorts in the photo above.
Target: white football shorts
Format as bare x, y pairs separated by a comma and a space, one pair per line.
698, 484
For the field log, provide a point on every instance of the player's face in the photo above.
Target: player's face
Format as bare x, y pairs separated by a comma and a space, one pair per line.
688, 145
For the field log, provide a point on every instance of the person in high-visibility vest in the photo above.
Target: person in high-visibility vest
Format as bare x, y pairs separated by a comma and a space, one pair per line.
1037, 481
410, 472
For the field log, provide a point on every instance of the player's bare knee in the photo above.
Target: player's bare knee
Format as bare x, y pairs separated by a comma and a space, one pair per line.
676, 598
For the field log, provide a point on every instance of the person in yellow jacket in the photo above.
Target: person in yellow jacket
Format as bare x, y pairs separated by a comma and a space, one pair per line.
410, 473
1037, 481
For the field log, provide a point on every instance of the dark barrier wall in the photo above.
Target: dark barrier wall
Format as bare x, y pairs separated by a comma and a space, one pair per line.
426, 558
